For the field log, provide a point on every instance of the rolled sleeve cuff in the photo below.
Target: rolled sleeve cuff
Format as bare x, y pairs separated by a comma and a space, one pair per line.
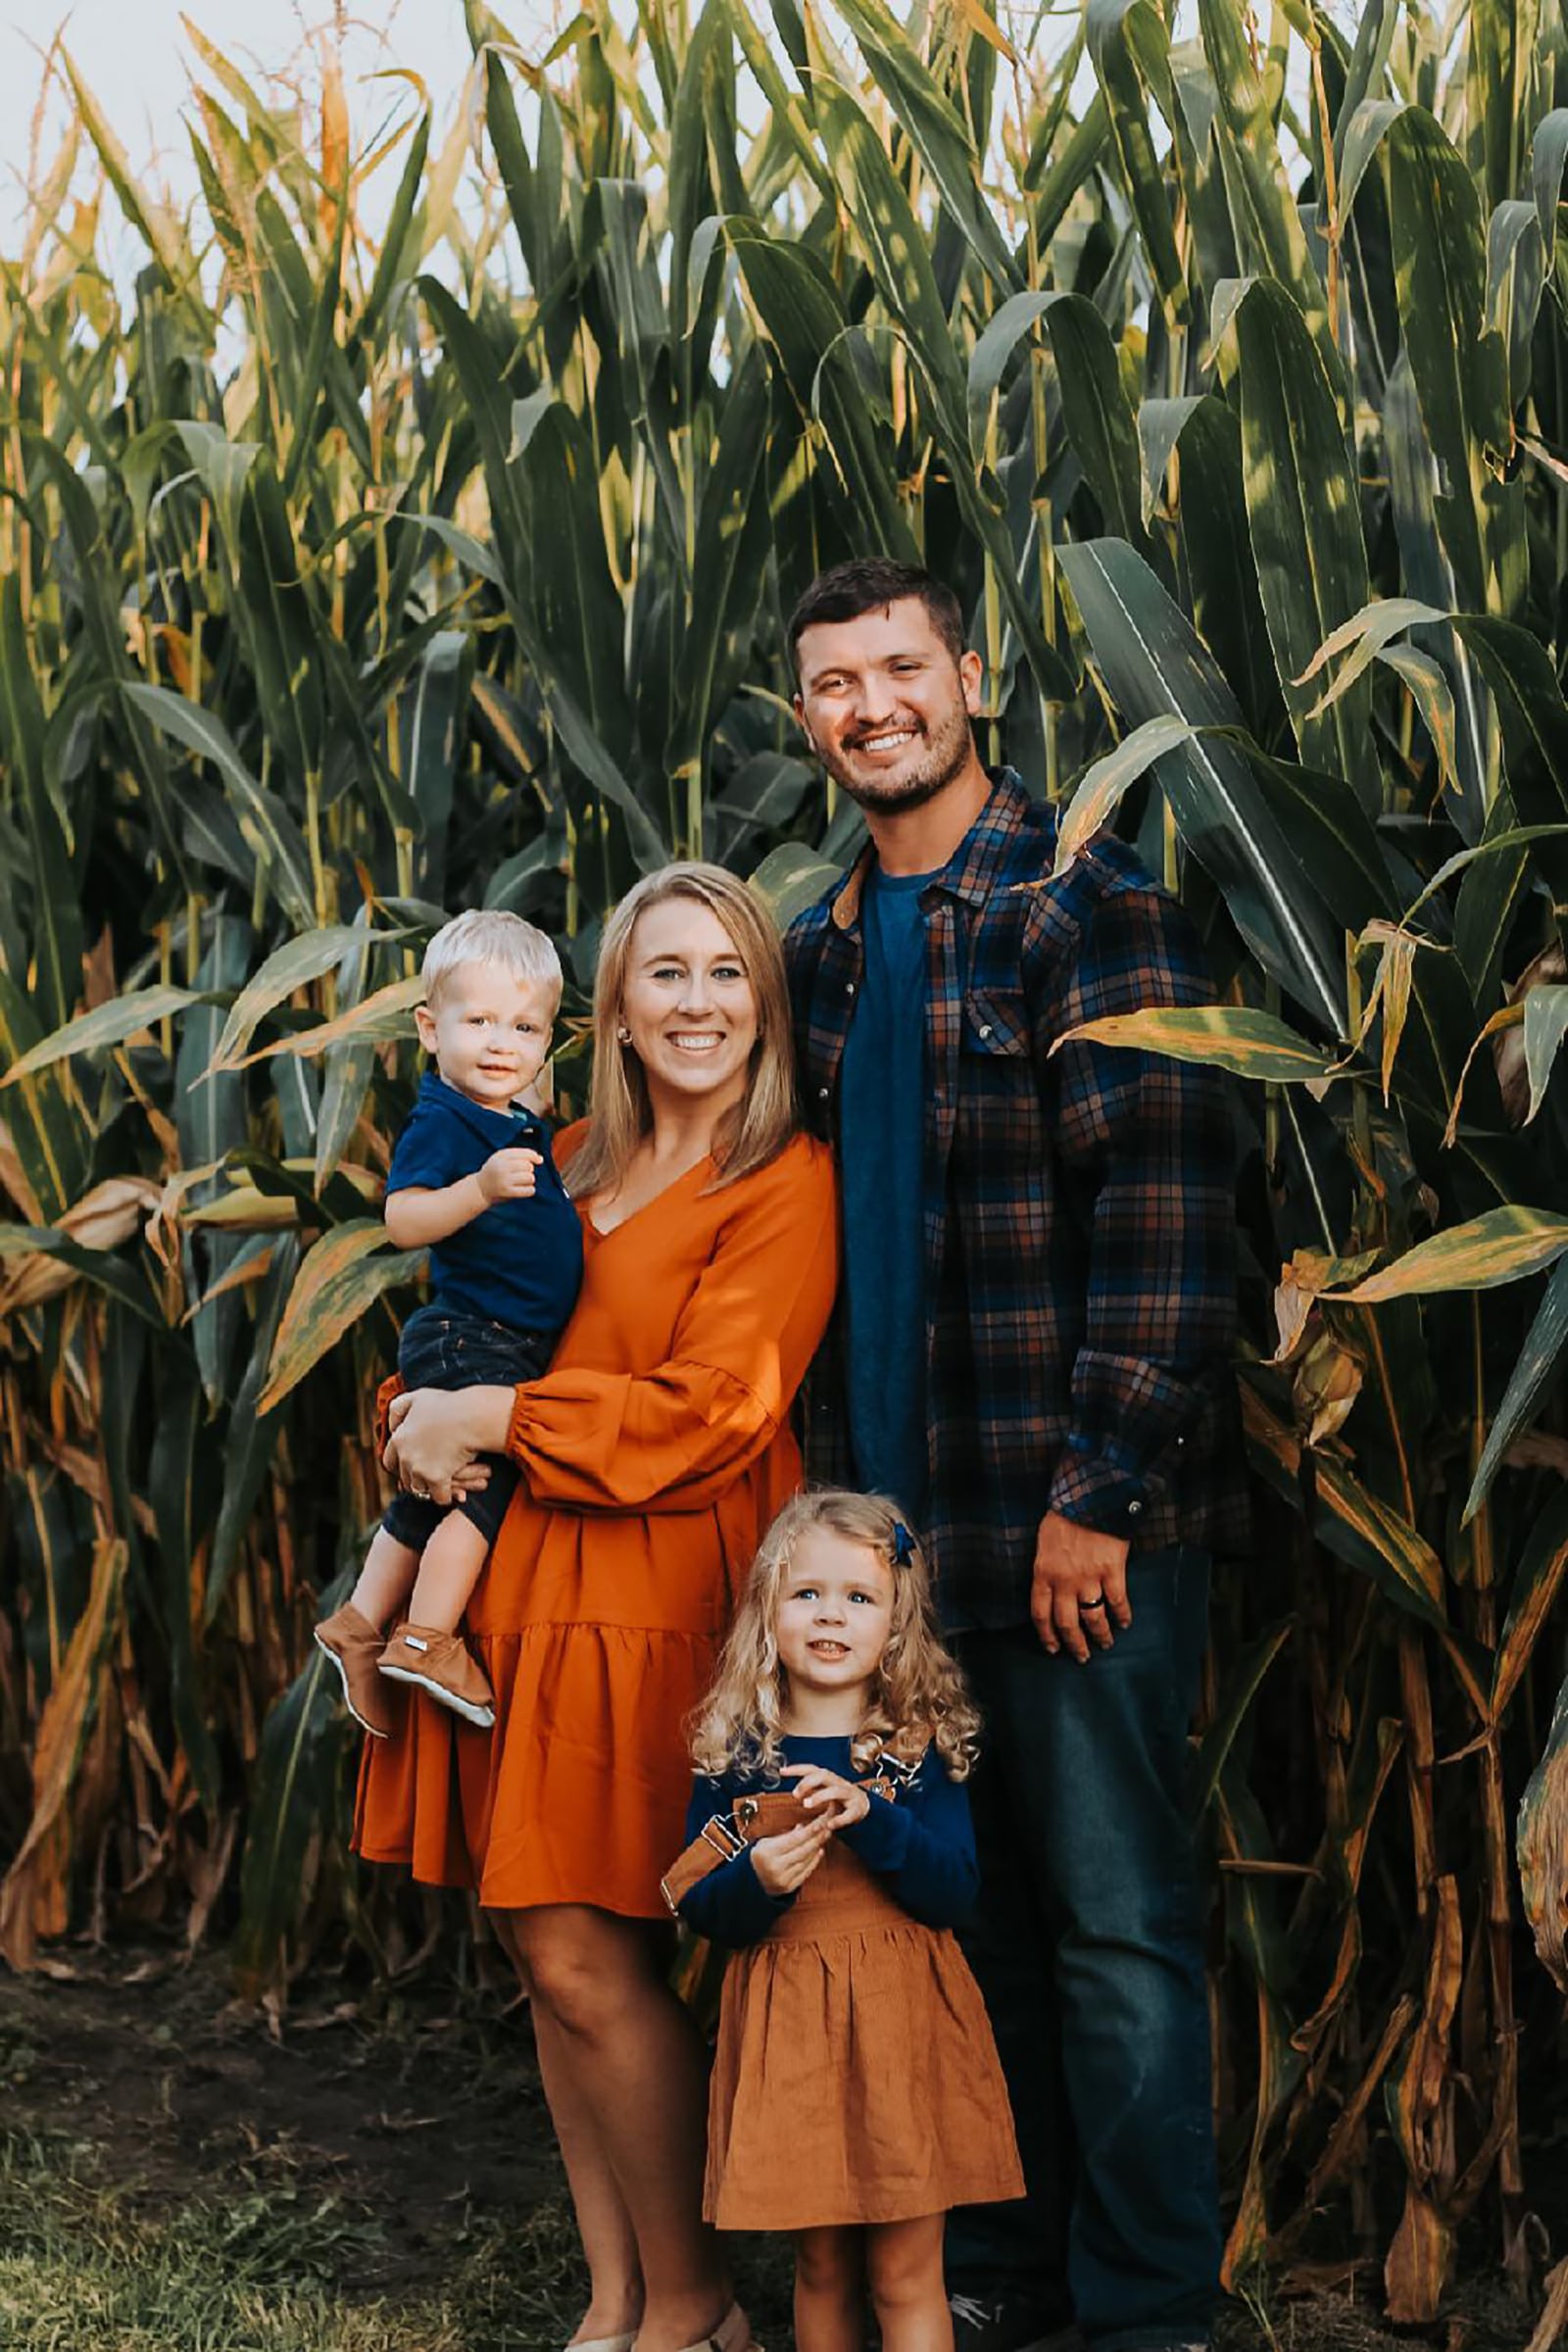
1096, 1492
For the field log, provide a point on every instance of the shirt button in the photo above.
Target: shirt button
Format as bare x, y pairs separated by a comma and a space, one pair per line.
822, 1093
849, 988
985, 1028
1133, 1509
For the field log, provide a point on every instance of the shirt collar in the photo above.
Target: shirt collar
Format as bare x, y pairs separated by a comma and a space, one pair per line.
492, 1124
974, 865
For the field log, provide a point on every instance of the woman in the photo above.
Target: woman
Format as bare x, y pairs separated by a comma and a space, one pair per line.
653, 1453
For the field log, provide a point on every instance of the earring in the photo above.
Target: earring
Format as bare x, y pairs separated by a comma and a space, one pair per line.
624, 1035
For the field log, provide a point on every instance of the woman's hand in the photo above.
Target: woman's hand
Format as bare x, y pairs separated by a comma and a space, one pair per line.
784, 1863
837, 1801
432, 1443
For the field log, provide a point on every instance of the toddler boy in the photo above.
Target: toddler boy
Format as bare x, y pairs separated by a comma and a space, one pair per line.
472, 1180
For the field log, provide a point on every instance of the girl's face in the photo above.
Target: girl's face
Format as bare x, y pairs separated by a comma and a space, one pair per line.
835, 1613
689, 1005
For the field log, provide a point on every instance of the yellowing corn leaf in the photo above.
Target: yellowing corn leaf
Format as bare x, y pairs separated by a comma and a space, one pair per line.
381, 1019
1307, 1274
1422, 2114
1542, 1849
1503, 1245
335, 1285
35, 1883
1228, 1037
103, 1219
1105, 781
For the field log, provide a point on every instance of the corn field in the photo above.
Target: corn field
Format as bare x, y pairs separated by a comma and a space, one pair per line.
350, 579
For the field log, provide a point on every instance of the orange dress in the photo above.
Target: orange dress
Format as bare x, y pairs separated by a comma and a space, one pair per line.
654, 1451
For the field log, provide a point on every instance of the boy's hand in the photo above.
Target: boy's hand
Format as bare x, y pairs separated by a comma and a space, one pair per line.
785, 1862
828, 1795
508, 1175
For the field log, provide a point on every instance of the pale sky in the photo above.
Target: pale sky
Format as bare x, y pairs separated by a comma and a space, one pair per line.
133, 54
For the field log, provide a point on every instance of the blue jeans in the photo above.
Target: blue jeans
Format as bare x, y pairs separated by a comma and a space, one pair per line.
1087, 1949
447, 1348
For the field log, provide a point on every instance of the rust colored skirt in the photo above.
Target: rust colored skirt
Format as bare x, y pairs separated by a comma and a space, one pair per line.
856, 2079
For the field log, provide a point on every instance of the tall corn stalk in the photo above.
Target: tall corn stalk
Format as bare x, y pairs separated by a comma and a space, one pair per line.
1230, 393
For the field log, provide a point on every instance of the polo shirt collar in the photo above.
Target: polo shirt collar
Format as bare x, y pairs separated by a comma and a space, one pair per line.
974, 865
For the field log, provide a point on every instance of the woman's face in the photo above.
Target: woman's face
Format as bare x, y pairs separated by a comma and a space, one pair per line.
690, 1005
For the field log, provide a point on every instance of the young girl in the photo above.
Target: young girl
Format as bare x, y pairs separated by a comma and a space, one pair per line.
856, 2092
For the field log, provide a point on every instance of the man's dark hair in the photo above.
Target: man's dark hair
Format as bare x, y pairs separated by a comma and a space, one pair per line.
869, 584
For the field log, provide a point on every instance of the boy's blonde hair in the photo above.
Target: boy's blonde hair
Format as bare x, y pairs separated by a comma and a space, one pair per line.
619, 1113
489, 935
918, 1693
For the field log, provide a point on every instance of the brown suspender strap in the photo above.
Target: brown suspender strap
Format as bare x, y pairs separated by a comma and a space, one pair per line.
770, 1813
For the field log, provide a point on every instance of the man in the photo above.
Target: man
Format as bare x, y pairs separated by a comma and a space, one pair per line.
1032, 1353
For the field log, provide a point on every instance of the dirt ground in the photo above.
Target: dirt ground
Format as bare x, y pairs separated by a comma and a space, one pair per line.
175, 2173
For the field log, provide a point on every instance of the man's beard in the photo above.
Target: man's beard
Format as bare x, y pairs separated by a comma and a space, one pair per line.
947, 754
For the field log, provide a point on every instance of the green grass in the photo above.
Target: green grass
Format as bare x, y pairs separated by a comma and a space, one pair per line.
89, 2267
86, 2266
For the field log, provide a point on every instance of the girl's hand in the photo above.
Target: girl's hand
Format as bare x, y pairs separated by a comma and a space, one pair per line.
838, 1801
784, 1863
428, 1449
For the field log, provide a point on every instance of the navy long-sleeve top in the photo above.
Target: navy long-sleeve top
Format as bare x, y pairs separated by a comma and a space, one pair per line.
920, 1846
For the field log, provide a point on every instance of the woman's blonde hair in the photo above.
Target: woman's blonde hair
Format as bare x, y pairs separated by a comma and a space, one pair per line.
919, 1694
619, 1114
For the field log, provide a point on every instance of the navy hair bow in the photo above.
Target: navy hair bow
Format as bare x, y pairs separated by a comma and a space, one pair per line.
902, 1543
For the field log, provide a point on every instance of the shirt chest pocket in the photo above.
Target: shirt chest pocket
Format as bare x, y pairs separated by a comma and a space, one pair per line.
1000, 1114
996, 1030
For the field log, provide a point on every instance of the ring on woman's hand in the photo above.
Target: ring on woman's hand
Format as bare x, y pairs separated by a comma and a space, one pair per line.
420, 1494
1098, 1603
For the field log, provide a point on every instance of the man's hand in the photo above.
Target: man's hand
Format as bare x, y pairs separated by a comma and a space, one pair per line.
1079, 1593
508, 1175
785, 1862
829, 1796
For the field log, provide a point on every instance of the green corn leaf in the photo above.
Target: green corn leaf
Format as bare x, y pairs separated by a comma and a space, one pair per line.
1536, 1584
1546, 1020
1154, 666
1270, 240
1460, 363
935, 130
268, 828
1529, 1383
57, 940
1304, 510
1128, 44
1549, 160
110, 1025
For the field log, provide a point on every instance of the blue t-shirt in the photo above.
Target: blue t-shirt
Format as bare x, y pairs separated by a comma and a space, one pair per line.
882, 1094
518, 1262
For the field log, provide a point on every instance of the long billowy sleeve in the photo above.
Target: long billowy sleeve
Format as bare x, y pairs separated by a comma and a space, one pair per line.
676, 1438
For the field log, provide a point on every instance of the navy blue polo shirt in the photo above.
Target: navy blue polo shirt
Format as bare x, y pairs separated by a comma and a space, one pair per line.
518, 1262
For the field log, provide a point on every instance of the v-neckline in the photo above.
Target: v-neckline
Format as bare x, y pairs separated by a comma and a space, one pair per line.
604, 1234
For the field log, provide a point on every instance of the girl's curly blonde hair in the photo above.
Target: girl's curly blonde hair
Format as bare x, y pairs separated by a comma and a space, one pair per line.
919, 1694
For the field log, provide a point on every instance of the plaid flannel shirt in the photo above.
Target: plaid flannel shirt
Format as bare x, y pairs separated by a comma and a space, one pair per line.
1078, 1213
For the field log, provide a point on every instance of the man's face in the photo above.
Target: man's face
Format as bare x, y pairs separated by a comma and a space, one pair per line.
886, 707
